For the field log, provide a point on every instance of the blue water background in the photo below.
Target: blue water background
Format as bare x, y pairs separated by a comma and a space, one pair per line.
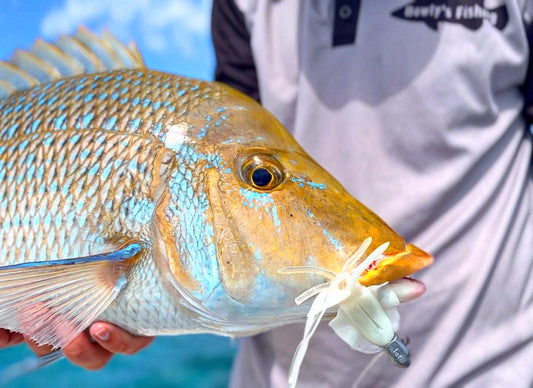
177, 361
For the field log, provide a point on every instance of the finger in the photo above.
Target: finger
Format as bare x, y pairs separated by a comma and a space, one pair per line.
117, 340
407, 289
85, 353
39, 350
8, 338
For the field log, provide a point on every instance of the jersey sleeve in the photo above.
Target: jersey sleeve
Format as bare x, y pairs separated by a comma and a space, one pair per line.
231, 39
528, 84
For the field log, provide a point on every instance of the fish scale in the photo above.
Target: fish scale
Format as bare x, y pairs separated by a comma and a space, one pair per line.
78, 185
133, 101
132, 196
126, 101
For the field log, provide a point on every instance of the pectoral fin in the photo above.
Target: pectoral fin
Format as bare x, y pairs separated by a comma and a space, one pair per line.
53, 301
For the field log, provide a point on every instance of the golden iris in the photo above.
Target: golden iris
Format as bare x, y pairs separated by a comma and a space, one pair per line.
262, 171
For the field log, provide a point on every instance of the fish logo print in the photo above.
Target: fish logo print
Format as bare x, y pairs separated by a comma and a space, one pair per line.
469, 13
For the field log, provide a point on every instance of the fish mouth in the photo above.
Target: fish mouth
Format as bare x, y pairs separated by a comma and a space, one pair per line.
395, 265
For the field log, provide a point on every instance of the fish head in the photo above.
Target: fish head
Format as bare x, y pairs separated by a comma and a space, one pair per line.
266, 205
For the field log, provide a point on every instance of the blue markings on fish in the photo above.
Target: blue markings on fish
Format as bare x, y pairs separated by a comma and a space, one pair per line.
261, 202
336, 243
302, 182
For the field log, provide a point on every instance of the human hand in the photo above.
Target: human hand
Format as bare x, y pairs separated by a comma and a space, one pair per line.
83, 351
8, 338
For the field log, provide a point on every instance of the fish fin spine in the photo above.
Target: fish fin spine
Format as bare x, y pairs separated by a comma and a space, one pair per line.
82, 53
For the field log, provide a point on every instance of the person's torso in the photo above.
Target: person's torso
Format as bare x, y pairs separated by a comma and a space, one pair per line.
419, 118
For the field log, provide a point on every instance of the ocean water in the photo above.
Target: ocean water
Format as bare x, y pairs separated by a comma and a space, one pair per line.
177, 361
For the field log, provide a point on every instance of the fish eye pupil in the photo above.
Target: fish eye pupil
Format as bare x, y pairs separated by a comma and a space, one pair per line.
261, 177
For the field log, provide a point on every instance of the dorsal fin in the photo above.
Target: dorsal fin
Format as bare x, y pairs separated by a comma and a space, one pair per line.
50, 53
16, 78
83, 53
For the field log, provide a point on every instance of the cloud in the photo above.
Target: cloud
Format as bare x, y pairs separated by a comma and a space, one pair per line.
159, 25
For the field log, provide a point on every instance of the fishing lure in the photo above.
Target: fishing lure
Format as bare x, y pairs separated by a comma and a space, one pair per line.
366, 317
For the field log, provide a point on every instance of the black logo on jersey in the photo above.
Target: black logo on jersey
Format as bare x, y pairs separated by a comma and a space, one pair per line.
469, 13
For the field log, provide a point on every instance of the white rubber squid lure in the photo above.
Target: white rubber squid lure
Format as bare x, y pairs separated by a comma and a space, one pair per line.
367, 317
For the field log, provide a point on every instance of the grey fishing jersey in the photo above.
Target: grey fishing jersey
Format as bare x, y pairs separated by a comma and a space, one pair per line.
417, 108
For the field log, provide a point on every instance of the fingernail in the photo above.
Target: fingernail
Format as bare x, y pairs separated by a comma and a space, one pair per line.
100, 332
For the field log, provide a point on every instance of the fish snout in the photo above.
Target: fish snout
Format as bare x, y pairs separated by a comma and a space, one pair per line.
396, 265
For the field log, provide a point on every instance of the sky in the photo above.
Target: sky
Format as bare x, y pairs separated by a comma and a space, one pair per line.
172, 35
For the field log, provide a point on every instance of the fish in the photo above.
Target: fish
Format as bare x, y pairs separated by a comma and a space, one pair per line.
163, 204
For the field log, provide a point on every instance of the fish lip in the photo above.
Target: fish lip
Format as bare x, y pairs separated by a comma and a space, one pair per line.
395, 265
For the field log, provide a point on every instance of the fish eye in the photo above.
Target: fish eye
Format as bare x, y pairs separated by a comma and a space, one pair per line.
261, 177
262, 172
